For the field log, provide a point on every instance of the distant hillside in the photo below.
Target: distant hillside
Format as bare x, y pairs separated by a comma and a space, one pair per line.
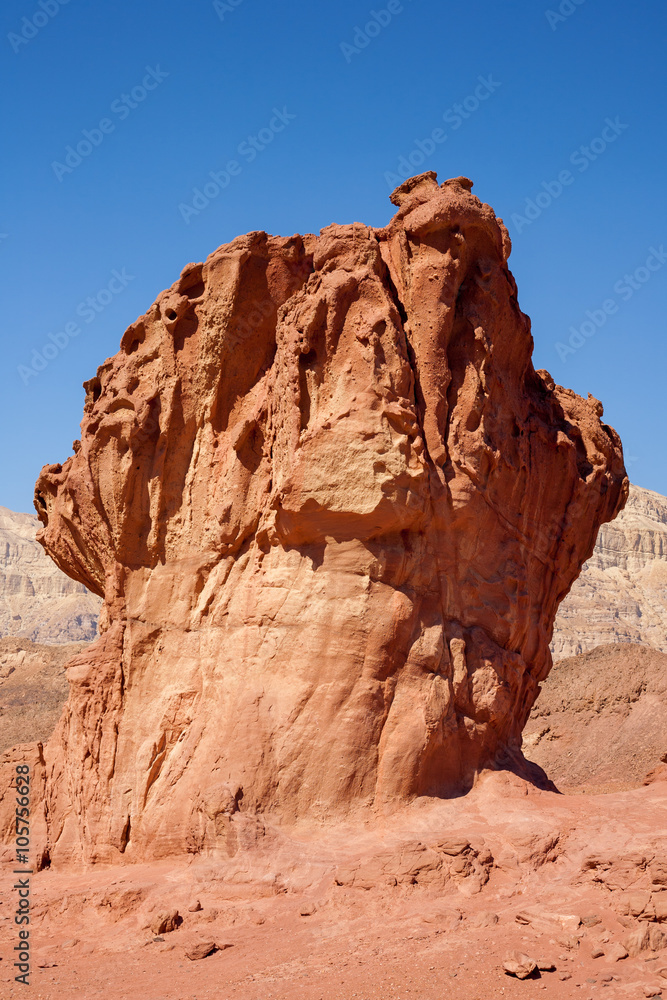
621, 594
37, 601
600, 722
33, 689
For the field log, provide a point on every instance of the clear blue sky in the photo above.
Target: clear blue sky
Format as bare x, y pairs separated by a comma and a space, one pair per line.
198, 81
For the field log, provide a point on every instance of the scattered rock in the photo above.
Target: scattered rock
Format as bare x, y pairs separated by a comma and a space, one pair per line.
544, 965
652, 991
597, 952
570, 941
616, 952
520, 965
164, 923
647, 937
591, 921
200, 950
307, 909
564, 975
195, 907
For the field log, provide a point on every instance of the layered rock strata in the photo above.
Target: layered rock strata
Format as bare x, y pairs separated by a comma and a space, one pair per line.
332, 510
621, 594
37, 601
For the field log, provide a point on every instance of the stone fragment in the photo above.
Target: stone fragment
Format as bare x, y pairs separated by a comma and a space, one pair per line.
200, 950
616, 952
163, 923
520, 965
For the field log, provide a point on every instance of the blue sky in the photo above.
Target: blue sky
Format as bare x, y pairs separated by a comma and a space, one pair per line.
314, 115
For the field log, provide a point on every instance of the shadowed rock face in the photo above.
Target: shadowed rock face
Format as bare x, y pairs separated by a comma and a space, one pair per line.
332, 510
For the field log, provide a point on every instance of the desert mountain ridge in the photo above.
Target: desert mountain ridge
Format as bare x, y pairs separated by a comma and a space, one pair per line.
620, 595
38, 601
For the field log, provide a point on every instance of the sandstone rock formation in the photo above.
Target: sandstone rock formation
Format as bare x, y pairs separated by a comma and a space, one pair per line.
37, 601
621, 594
332, 510
600, 722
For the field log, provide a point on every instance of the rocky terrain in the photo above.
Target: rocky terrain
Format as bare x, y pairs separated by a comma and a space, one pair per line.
37, 600
444, 902
621, 594
600, 722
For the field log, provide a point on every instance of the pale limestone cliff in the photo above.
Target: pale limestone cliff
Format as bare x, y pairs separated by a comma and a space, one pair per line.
37, 600
621, 594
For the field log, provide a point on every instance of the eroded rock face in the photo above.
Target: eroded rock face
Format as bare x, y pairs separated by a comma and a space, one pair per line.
332, 510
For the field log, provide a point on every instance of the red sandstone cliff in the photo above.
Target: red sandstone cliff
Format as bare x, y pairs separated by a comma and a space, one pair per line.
332, 510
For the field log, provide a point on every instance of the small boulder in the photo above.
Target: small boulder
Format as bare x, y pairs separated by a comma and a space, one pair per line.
636, 902
202, 949
647, 937
195, 907
163, 923
616, 952
520, 965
